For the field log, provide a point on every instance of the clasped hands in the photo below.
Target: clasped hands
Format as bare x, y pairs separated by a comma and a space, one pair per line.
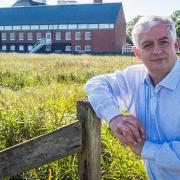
129, 131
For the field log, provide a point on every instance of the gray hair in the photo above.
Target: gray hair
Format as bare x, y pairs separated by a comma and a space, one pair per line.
145, 23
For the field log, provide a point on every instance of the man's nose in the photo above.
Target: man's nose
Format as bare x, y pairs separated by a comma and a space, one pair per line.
157, 49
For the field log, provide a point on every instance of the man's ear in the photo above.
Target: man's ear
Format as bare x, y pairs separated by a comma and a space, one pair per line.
177, 44
136, 52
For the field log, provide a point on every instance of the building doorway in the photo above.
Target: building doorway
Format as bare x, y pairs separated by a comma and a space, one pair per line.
48, 38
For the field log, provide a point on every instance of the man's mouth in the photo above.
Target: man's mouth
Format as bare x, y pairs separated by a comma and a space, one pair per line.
157, 60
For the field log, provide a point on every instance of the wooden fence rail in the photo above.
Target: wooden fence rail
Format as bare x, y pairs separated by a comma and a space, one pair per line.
81, 137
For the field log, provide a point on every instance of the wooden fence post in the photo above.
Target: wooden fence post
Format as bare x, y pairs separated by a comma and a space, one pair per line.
89, 160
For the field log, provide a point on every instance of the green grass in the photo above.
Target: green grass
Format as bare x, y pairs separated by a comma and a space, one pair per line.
38, 94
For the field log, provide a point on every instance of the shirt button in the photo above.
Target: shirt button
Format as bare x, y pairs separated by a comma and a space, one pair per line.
154, 97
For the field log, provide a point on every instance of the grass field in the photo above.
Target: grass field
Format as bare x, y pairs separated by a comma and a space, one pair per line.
38, 94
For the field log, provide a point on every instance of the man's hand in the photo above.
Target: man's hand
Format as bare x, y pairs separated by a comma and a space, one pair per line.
129, 130
137, 148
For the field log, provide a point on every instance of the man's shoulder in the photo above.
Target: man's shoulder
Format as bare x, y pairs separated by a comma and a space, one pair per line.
176, 69
137, 67
134, 73
178, 62
135, 70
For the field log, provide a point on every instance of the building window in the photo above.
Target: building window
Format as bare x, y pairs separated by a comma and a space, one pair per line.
12, 36
72, 26
30, 47
21, 48
53, 27
92, 26
68, 48
111, 26
48, 48
26, 27
34, 27
78, 36
1, 28
16, 28
3, 36
12, 48
44, 27
58, 35
4, 47
21, 36
103, 26
82, 26
87, 48
77, 48
87, 35
68, 35
62, 26
8, 28
29, 36
38, 36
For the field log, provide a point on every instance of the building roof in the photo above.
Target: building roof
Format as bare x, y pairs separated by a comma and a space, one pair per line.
27, 3
60, 14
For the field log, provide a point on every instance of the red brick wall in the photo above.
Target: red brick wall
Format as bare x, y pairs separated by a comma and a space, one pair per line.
74, 42
103, 40
120, 31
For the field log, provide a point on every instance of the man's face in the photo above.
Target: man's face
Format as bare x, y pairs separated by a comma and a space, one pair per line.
157, 49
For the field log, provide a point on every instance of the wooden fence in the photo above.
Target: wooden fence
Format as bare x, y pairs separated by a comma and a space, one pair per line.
81, 137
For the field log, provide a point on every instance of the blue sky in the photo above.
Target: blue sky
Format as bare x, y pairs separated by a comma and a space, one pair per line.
132, 8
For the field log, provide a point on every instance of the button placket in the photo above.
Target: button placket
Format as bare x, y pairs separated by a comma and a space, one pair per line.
153, 106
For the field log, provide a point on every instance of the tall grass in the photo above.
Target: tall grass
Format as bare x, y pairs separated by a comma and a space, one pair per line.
38, 94
19, 71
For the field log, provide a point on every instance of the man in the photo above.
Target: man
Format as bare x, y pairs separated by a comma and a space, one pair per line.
151, 94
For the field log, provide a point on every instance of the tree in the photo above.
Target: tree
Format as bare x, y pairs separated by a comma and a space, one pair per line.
176, 18
130, 26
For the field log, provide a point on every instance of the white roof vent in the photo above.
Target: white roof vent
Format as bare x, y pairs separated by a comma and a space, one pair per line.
59, 2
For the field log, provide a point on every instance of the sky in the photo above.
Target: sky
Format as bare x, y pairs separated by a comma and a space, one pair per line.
132, 8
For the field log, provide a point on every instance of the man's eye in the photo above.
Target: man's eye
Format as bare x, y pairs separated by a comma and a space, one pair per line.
164, 42
146, 46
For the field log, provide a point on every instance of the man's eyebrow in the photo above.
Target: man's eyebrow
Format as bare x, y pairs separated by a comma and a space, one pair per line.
164, 38
146, 42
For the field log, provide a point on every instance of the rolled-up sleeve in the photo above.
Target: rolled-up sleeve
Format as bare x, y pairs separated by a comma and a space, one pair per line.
101, 96
166, 155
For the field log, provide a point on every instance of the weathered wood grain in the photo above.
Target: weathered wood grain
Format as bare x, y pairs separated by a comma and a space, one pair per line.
89, 162
41, 150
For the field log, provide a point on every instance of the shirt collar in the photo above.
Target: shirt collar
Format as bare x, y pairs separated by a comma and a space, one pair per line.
170, 81
172, 78
146, 78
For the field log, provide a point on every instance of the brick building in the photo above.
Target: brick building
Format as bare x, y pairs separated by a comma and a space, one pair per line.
73, 28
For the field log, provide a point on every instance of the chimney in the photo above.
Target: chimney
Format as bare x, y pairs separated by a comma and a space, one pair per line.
98, 1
